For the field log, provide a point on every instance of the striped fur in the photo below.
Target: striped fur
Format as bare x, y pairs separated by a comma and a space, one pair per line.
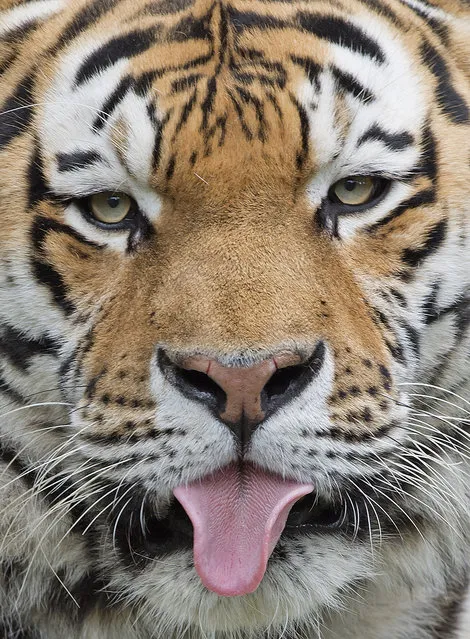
227, 122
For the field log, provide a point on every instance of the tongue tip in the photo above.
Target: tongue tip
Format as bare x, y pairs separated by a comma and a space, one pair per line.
237, 525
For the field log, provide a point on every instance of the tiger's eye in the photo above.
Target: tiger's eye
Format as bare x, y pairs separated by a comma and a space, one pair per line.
355, 190
110, 207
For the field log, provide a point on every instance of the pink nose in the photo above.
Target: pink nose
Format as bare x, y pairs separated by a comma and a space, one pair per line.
243, 396
243, 387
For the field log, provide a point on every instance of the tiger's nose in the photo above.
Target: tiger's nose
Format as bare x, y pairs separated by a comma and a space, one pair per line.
242, 396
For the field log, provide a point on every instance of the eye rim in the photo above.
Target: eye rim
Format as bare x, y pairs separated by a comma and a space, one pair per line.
128, 222
381, 188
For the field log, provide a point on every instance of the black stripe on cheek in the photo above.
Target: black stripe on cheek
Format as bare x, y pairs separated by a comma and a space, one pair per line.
44, 272
393, 141
428, 159
38, 188
348, 83
19, 349
125, 46
10, 393
434, 239
16, 113
77, 160
450, 101
422, 198
338, 31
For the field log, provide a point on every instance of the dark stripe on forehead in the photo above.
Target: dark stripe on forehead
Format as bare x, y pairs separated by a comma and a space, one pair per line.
166, 7
348, 83
112, 102
120, 47
89, 15
339, 31
242, 20
393, 141
450, 101
77, 160
16, 112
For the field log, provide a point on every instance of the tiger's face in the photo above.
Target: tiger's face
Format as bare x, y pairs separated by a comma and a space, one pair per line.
239, 219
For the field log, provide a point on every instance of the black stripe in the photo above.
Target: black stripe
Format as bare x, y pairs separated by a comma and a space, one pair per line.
242, 20
16, 113
10, 392
89, 15
166, 7
43, 271
302, 155
312, 69
157, 146
239, 111
413, 337
434, 238
43, 225
450, 101
348, 83
187, 82
186, 110
428, 159
125, 46
19, 348
112, 102
249, 98
436, 25
339, 31
393, 141
37, 186
422, 198
77, 160
191, 28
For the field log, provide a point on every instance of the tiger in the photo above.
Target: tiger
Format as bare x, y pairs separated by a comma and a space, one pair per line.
234, 319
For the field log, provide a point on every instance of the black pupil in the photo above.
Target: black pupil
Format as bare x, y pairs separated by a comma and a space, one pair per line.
350, 185
114, 201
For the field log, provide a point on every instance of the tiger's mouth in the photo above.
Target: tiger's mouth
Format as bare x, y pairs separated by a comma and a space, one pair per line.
310, 515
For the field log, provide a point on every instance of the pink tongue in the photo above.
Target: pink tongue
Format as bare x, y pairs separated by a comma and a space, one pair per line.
237, 518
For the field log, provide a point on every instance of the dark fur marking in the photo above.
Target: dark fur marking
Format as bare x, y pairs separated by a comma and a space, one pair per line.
311, 68
435, 237
128, 45
19, 348
90, 14
422, 198
393, 141
242, 20
37, 185
77, 160
450, 101
112, 103
348, 83
16, 113
339, 31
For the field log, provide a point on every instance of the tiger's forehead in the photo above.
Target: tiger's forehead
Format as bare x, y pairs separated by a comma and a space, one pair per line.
211, 89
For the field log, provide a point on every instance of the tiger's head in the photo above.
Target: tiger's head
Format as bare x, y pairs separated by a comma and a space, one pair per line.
244, 229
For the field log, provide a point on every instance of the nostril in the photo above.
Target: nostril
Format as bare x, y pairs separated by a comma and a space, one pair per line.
192, 383
200, 383
282, 379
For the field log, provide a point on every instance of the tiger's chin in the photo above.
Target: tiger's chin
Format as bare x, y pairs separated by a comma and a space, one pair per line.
298, 585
